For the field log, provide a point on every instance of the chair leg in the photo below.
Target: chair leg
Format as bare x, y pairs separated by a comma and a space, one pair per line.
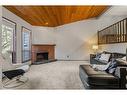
15, 82
9, 81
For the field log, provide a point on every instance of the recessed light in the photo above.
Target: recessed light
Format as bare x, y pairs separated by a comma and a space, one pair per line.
46, 23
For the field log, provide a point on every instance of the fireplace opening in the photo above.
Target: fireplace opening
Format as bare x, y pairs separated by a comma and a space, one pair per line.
41, 56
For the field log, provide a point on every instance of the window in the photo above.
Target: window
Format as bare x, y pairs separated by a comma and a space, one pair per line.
9, 40
26, 44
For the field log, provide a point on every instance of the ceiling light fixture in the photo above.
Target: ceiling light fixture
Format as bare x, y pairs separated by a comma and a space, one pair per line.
46, 23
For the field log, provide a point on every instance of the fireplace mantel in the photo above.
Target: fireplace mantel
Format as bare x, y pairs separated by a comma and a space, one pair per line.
44, 44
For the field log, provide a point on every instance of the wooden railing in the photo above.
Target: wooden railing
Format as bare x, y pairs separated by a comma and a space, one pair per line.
116, 33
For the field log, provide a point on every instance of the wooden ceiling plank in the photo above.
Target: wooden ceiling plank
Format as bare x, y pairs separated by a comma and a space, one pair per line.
56, 15
55, 10
50, 15
17, 12
33, 14
39, 14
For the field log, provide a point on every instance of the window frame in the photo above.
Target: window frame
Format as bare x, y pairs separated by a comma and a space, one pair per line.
14, 54
30, 40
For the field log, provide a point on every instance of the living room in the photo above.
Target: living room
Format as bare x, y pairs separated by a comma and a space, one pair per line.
60, 47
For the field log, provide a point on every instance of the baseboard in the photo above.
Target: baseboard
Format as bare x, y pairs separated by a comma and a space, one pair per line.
70, 60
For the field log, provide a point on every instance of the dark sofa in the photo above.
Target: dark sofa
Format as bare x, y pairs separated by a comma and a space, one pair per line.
93, 60
93, 79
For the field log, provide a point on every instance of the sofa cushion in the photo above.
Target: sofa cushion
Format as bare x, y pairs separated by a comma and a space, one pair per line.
105, 57
13, 73
90, 71
93, 77
101, 67
97, 61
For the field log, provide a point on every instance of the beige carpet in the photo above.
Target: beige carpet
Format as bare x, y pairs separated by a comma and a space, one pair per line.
54, 75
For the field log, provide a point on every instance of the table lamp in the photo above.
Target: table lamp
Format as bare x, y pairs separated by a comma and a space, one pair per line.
95, 48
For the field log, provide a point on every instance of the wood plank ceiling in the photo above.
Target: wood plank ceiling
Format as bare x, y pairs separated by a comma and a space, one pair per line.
53, 16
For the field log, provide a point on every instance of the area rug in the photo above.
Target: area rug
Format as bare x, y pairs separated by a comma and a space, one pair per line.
54, 75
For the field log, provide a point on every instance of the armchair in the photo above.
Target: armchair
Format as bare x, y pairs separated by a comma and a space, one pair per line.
12, 76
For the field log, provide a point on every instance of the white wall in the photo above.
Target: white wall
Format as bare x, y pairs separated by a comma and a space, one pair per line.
20, 22
43, 35
74, 40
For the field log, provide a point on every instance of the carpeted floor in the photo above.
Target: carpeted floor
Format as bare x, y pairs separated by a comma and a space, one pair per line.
54, 75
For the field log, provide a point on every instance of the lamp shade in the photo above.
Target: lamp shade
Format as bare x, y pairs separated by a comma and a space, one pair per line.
95, 47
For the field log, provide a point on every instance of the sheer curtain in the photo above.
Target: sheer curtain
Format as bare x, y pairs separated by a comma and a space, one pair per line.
8, 40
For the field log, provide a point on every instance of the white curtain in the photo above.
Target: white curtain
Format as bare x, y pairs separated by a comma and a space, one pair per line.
8, 36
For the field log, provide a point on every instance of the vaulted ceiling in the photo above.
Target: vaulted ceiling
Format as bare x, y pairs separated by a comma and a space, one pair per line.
53, 16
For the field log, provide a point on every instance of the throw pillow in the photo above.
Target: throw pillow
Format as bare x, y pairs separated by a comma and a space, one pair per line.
105, 57
124, 58
112, 67
98, 55
101, 67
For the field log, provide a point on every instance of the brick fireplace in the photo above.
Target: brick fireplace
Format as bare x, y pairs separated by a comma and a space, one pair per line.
42, 52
